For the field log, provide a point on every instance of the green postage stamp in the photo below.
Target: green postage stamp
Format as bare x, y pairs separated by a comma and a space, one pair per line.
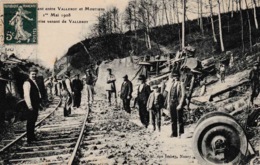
20, 23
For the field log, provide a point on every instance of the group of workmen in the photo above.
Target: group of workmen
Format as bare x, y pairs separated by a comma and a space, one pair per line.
66, 88
151, 101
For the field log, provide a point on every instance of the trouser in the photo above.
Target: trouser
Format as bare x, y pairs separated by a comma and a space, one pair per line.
89, 94
77, 99
255, 91
222, 76
31, 120
109, 94
143, 113
156, 117
176, 119
68, 105
126, 105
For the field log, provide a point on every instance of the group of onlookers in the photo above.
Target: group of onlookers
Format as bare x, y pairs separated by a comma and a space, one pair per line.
151, 101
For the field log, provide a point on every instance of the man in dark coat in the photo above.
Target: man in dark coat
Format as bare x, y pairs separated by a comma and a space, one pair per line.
77, 87
32, 97
254, 82
126, 93
175, 102
143, 93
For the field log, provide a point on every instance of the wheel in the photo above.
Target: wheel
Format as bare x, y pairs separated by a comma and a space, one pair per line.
212, 114
219, 140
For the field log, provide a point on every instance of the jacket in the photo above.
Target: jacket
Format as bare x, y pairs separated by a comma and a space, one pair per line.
151, 101
143, 95
126, 89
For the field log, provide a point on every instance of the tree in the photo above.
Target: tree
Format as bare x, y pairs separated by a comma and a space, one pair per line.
212, 21
165, 9
201, 19
255, 15
220, 28
249, 26
242, 26
183, 22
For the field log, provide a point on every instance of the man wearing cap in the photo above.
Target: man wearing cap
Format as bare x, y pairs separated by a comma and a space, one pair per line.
126, 93
32, 97
254, 82
111, 87
154, 104
77, 87
175, 103
89, 87
143, 93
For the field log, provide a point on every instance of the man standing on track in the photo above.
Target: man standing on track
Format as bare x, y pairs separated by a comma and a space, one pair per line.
32, 97
68, 94
89, 87
126, 93
143, 93
77, 87
111, 86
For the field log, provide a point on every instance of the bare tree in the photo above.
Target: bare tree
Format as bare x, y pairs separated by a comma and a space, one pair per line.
242, 26
212, 21
183, 22
201, 18
255, 15
249, 26
165, 10
220, 28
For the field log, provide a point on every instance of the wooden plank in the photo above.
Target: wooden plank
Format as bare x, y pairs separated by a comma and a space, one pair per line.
227, 89
64, 156
56, 140
47, 146
52, 152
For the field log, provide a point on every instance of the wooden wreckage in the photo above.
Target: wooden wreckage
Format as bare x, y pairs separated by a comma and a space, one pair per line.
13, 72
218, 138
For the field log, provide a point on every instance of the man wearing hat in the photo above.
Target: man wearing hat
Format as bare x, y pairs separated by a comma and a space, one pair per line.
254, 82
143, 93
154, 104
126, 93
175, 103
77, 87
32, 97
111, 86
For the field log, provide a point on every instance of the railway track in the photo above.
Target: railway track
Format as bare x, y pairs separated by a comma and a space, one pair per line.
58, 140
20, 127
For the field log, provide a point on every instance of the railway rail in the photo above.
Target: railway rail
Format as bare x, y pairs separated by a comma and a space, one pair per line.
59, 140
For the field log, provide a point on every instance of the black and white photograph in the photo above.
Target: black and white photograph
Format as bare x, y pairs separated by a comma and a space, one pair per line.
142, 82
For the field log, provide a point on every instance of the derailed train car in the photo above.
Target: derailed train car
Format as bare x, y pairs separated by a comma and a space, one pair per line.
13, 73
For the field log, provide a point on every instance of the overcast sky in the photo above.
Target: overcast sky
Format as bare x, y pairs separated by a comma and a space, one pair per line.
55, 39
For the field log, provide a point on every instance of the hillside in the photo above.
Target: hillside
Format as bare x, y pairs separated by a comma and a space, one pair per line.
165, 39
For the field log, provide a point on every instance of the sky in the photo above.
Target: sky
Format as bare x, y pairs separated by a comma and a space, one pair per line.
54, 39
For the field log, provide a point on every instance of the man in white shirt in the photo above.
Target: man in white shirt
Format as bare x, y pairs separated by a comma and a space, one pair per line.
32, 97
67, 94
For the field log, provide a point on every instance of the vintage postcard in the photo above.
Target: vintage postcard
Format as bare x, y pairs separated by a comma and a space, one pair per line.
107, 82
